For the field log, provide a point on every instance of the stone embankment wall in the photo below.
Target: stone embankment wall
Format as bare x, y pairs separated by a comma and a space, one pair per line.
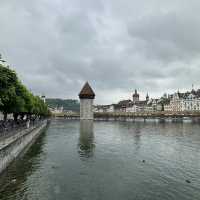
11, 147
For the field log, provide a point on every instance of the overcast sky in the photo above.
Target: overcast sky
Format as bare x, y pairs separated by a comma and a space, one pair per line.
117, 45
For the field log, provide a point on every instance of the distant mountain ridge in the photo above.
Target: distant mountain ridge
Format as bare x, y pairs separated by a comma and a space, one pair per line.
67, 104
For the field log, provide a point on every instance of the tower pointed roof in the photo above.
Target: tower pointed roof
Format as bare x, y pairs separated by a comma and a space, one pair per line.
86, 92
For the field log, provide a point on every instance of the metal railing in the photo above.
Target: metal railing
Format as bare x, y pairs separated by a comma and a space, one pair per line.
10, 127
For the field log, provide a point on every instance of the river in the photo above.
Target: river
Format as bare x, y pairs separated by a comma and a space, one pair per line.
108, 160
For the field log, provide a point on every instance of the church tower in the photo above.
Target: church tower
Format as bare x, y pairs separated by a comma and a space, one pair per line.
136, 97
147, 97
86, 96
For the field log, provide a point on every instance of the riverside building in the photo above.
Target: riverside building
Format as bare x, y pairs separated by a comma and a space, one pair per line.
177, 102
134, 105
189, 101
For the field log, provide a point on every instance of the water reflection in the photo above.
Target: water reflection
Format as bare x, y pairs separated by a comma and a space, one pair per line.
13, 179
56, 169
86, 139
137, 135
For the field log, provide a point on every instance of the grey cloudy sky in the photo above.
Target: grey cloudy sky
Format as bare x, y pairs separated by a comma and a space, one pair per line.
117, 45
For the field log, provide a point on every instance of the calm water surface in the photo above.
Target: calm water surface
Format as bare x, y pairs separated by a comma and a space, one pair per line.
108, 160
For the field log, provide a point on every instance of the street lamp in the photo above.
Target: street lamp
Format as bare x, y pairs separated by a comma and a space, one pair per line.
1, 60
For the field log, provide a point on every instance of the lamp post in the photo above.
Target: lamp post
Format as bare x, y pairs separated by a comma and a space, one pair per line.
1, 60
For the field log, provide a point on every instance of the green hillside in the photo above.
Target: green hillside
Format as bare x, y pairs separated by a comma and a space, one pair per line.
68, 104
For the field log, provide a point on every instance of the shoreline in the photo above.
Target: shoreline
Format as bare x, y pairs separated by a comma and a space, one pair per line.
13, 146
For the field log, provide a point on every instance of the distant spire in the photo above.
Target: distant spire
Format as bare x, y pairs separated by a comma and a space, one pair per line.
147, 97
135, 94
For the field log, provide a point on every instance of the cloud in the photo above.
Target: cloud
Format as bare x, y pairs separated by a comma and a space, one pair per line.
167, 37
55, 46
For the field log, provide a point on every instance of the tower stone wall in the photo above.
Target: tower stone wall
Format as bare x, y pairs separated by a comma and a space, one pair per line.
86, 109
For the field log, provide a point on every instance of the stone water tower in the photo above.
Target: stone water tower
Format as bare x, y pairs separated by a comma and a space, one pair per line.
86, 96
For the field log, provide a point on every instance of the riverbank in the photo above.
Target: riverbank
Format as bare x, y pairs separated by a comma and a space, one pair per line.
11, 147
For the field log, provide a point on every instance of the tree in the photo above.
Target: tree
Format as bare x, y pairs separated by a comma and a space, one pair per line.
17, 99
8, 80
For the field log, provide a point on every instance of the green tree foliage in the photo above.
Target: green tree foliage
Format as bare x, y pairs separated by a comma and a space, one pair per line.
16, 98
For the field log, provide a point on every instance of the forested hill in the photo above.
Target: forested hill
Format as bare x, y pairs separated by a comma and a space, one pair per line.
68, 104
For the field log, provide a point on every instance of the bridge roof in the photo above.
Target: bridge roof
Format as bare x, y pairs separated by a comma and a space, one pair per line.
86, 92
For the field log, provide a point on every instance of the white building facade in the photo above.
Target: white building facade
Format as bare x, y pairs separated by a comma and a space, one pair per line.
183, 102
104, 108
191, 103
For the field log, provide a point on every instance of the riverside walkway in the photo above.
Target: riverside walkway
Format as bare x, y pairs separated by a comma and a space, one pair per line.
8, 137
10, 128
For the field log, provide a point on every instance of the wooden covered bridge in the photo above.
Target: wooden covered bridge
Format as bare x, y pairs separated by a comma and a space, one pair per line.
137, 115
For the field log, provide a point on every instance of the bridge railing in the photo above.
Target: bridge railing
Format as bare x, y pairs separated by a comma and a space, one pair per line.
148, 114
10, 127
135, 114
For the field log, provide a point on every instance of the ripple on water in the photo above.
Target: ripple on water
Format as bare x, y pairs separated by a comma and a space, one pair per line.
108, 160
